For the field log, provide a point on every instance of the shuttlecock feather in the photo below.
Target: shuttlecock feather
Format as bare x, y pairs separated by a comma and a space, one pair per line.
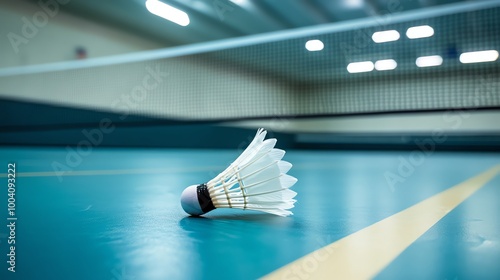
256, 180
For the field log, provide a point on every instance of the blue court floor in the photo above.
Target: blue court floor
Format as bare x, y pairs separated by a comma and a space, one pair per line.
115, 214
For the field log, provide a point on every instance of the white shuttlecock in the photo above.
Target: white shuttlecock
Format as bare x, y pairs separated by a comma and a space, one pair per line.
256, 180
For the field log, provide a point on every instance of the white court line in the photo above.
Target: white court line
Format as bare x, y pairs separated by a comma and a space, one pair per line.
115, 172
152, 171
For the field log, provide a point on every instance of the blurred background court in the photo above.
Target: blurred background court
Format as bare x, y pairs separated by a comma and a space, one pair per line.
109, 109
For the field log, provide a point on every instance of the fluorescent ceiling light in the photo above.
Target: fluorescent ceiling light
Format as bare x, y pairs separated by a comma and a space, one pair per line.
353, 3
386, 64
167, 12
385, 36
240, 2
358, 67
314, 45
247, 4
417, 32
428, 61
480, 56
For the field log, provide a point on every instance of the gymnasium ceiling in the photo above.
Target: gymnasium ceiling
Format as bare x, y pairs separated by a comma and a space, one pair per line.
212, 20
219, 19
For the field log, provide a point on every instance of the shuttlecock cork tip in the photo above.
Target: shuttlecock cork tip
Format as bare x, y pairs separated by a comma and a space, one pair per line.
196, 201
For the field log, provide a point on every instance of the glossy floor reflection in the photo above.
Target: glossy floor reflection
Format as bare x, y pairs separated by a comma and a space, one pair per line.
115, 214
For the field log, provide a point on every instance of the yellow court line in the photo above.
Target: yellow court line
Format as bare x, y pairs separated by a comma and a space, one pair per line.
363, 254
113, 172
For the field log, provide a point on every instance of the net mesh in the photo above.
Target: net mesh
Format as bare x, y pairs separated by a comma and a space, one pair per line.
282, 78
